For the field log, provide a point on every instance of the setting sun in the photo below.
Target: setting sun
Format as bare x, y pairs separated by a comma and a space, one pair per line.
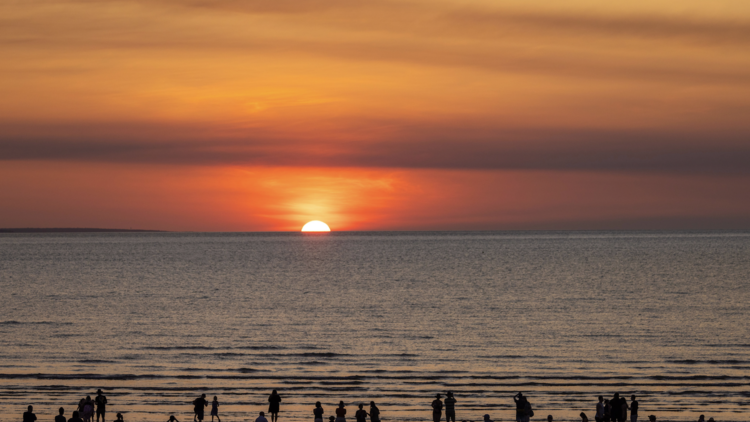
316, 226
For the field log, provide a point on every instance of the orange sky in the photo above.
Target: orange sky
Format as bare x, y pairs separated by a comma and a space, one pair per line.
262, 115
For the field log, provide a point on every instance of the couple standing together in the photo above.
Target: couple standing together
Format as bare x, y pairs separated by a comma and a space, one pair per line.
450, 408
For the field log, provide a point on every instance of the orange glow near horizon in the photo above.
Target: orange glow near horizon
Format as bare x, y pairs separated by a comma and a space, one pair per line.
410, 115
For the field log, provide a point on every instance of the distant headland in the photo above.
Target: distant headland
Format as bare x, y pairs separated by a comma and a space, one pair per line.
75, 230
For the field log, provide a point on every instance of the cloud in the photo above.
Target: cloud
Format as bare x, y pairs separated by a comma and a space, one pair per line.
412, 146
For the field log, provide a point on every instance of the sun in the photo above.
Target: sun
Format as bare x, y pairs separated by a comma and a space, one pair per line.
316, 226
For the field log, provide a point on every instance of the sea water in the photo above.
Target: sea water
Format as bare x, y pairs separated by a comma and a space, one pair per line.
156, 319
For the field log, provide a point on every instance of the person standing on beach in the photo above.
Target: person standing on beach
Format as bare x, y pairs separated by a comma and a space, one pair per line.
29, 415
61, 416
88, 409
101, 405
214, 409
273, 405
607, 411
624, 412
199, 405
374, 412
487, 418
318, 412
450, 407
599, 416
119, 417
633, 409
341, 412
361, 414
616, 412
437, 409
521, 403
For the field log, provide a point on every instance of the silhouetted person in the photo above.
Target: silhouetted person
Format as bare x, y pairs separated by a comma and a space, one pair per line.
61, 416
437, 409
172, 419
450, 407
520, 407
318, 412
701, 418
262, 417
624, 409
88, 409
599, 416
652, 418
214, 409
119, 417
709, 419
607, 411
487, 418
341, 412
361, 414
549, 418
633, 409
29, 415
76, 417
199, 406
273, 405
616, 404
331, 419
374, 412
584, 418
101, 405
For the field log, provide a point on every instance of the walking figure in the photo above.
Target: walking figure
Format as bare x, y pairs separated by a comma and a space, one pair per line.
437, 408
101, 405
215, 409
199, 405
273, 405
450, 407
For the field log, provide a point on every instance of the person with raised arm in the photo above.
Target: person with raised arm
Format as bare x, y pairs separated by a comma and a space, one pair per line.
450, 407
520, 407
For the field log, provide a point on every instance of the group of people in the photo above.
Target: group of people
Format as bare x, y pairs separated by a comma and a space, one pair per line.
612, 410
274, 400
84, 412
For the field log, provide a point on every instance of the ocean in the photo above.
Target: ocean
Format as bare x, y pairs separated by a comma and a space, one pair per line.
156, 319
